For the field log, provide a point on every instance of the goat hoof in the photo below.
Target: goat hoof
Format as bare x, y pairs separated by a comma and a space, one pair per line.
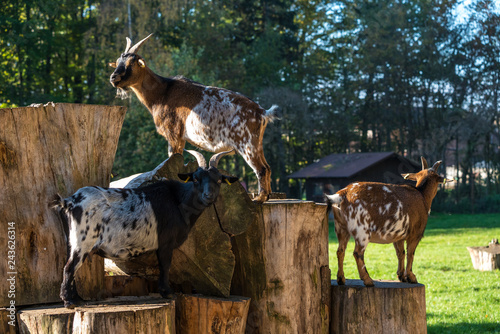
70, 304
369, 284
340, 280
261, 198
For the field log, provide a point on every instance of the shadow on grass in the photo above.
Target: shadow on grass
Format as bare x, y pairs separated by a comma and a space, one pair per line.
461, 328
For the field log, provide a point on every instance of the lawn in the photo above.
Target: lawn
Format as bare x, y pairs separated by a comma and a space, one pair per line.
459, 298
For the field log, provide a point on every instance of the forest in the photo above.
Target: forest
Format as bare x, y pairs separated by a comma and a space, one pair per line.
415, 77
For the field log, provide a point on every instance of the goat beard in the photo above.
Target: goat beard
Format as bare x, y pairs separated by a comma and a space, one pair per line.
122, 93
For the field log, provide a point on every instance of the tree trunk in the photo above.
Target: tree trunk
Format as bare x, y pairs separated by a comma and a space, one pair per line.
389, 307
282, 264
119, 315
45, 150
196, 314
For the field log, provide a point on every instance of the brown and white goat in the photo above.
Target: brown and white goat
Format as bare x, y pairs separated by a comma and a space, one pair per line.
384, 213
211, 118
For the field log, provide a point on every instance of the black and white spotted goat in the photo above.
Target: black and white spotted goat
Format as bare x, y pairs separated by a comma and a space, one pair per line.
124, 223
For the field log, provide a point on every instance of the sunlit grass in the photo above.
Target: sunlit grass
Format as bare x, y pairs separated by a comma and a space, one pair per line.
459, 298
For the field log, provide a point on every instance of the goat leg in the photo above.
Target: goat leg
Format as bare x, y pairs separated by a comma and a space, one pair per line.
400, 253
343, 237
411, 247
68, 293
164, 255
359, 255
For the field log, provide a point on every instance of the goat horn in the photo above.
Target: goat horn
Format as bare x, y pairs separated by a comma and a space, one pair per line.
436, 166
138, 45
199, 157
424, 163
214, 160
129, 43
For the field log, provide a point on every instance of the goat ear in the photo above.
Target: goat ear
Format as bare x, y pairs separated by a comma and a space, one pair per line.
113, 65
186, 177
141, 63
409, 176
229, 179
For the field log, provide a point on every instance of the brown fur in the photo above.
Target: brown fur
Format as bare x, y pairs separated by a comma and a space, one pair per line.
384, 213
213, 119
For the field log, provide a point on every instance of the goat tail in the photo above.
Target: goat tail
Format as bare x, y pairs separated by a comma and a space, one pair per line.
270, 114
57, 203
332, 200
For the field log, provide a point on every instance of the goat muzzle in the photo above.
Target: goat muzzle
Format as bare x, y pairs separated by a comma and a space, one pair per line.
114, 79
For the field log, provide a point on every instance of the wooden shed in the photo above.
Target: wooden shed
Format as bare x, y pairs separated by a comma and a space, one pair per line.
336, 171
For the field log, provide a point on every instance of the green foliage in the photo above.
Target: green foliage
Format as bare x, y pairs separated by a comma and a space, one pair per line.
459, 299
349, 75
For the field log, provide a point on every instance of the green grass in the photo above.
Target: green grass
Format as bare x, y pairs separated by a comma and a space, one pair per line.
459, 298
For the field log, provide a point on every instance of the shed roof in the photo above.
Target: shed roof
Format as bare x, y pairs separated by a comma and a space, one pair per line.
341, 165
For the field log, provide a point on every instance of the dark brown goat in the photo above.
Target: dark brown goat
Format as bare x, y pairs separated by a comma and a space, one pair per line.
384, 213
211, 118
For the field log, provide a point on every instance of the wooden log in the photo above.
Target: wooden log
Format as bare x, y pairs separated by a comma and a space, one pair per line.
388, 307
8, 323
205, 262
117, 315
282, 264
196, 314
124, 285
44, 150
485, 258
46, 320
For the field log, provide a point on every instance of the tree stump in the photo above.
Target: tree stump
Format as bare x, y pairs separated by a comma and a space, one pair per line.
388, 307
118, 315
282, 264
204, 263
44, 150
8, 323
196, 314
485, 258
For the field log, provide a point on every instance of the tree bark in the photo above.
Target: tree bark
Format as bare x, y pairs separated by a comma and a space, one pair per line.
388, 307
196, 314
282, 264
45, 150
119, 315
5, 318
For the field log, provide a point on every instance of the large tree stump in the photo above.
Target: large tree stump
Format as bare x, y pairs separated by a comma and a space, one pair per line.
205, 261
485, 258
196, 314
124, 315
8, 323
44, 150
388, 307
282, 264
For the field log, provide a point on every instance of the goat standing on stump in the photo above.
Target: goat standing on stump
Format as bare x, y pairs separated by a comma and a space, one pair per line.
124, 223
211, 118
384, 213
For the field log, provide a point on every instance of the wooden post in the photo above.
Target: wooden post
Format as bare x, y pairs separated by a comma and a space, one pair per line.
127, 315
282, 264
44, 150
485, 258
388, 307
196, 314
